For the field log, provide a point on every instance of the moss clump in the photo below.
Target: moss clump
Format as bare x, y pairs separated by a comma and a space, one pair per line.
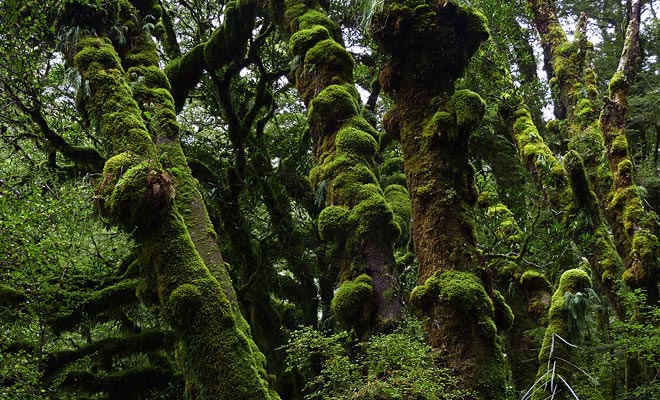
305, 39
533, 280
332, 105
645, 252
574, 280
374, 216
331, 56
353, 303
335, 222
619, 145
140, 197
442, 123
318, 18
469, 108
617, 82
95, 53
354, 141
183, 304
461, 291
629, 206
119, 163
585, 112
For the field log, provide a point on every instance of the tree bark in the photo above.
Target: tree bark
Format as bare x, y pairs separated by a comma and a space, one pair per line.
146, 189
356, 215
428, 48
634, 227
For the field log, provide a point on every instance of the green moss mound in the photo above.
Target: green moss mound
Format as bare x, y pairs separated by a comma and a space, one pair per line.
353, 302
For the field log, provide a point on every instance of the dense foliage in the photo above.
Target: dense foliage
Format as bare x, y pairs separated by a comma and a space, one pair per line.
303, 199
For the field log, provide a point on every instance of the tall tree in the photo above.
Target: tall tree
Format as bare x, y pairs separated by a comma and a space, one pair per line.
429, 45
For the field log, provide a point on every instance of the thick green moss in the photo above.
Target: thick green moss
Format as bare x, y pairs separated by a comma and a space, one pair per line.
619, 145
626, 201
305, 39
585, 112
442, 123
462, 291
574, 280
182, 305
95, 51
119, 163
645, 253
332, 105
374, 216
617, 83
335, 222
354, 141
184, 73
469, 108
140, 197
353, 302
313, 18
330, 55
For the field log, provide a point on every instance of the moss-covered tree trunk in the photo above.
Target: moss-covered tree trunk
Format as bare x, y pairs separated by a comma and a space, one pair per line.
147, 190
639, 228
429, 45
602, 143
356, 216
560, 375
